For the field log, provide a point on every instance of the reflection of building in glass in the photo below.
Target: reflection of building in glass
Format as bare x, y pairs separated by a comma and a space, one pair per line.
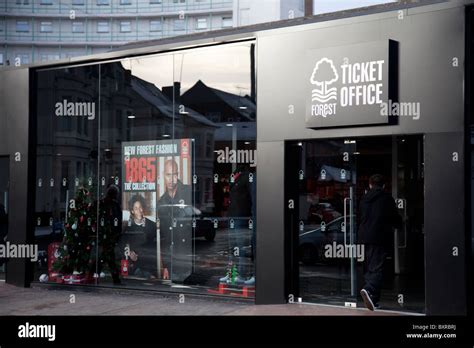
132, 108
140, 101
236, 117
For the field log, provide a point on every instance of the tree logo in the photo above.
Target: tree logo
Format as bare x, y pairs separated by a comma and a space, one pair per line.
324, 74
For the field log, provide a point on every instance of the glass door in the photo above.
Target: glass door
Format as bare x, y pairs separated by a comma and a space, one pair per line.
324, 220
330, 187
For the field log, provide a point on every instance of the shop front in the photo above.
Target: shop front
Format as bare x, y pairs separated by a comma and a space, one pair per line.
142, 163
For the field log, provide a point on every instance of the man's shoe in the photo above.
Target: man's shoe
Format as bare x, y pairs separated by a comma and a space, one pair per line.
367, 300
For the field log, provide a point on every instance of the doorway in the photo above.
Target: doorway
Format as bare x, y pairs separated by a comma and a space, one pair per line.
326, 180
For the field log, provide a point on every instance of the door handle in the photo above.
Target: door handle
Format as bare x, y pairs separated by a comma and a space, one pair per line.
345, 219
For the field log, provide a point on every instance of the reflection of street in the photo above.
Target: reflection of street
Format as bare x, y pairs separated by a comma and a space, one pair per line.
212, 259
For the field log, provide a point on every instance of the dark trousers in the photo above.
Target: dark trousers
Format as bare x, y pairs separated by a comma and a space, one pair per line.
373, 270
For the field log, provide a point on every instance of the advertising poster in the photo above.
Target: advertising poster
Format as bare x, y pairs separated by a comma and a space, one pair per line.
156, 200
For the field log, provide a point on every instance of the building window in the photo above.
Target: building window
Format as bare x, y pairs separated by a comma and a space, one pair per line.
24, 2
179, 24
201, 23
23, 26
227, 22
22, 58
155, 25
77, 27
125, 27
46, 57
46, 2
46, 27
125, 2
102, 27
103, 2
1, 58
155, 2
78, 2
2, 24
179, 1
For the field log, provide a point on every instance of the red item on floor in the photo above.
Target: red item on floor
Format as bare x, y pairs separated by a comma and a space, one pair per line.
124, 268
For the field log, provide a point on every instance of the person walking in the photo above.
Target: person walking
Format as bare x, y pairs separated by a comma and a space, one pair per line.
379, 216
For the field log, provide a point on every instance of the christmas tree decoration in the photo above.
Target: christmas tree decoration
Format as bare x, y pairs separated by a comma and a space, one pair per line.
74, 255
234, 274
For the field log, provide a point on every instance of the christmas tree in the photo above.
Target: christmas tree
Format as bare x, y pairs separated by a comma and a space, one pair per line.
79, 235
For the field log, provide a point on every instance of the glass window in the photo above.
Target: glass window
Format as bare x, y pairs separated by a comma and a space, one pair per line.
66, 224
2, 25
125, 27
103, 2
179, 24
225, 192
22, 26
78, 2
155, 1
1, 58
46, 27
167, 194
46, 2
201, 23
22, 58
77, 27
125, 2
227, 22
46, 57
155, 25
102, 27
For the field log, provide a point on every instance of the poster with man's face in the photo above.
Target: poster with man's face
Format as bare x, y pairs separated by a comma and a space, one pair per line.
156, 189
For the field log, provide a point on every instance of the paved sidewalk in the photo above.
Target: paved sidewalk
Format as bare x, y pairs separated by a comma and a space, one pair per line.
41, 301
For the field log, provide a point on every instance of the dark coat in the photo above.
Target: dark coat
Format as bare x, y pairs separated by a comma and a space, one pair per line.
378, 215
167, 210
240, 204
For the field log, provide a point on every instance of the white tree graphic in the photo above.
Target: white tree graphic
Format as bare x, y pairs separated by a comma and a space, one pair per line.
324, 74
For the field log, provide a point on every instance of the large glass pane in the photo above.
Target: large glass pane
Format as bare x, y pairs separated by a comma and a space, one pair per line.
136, 134
327, 188
66, 174
215, 98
